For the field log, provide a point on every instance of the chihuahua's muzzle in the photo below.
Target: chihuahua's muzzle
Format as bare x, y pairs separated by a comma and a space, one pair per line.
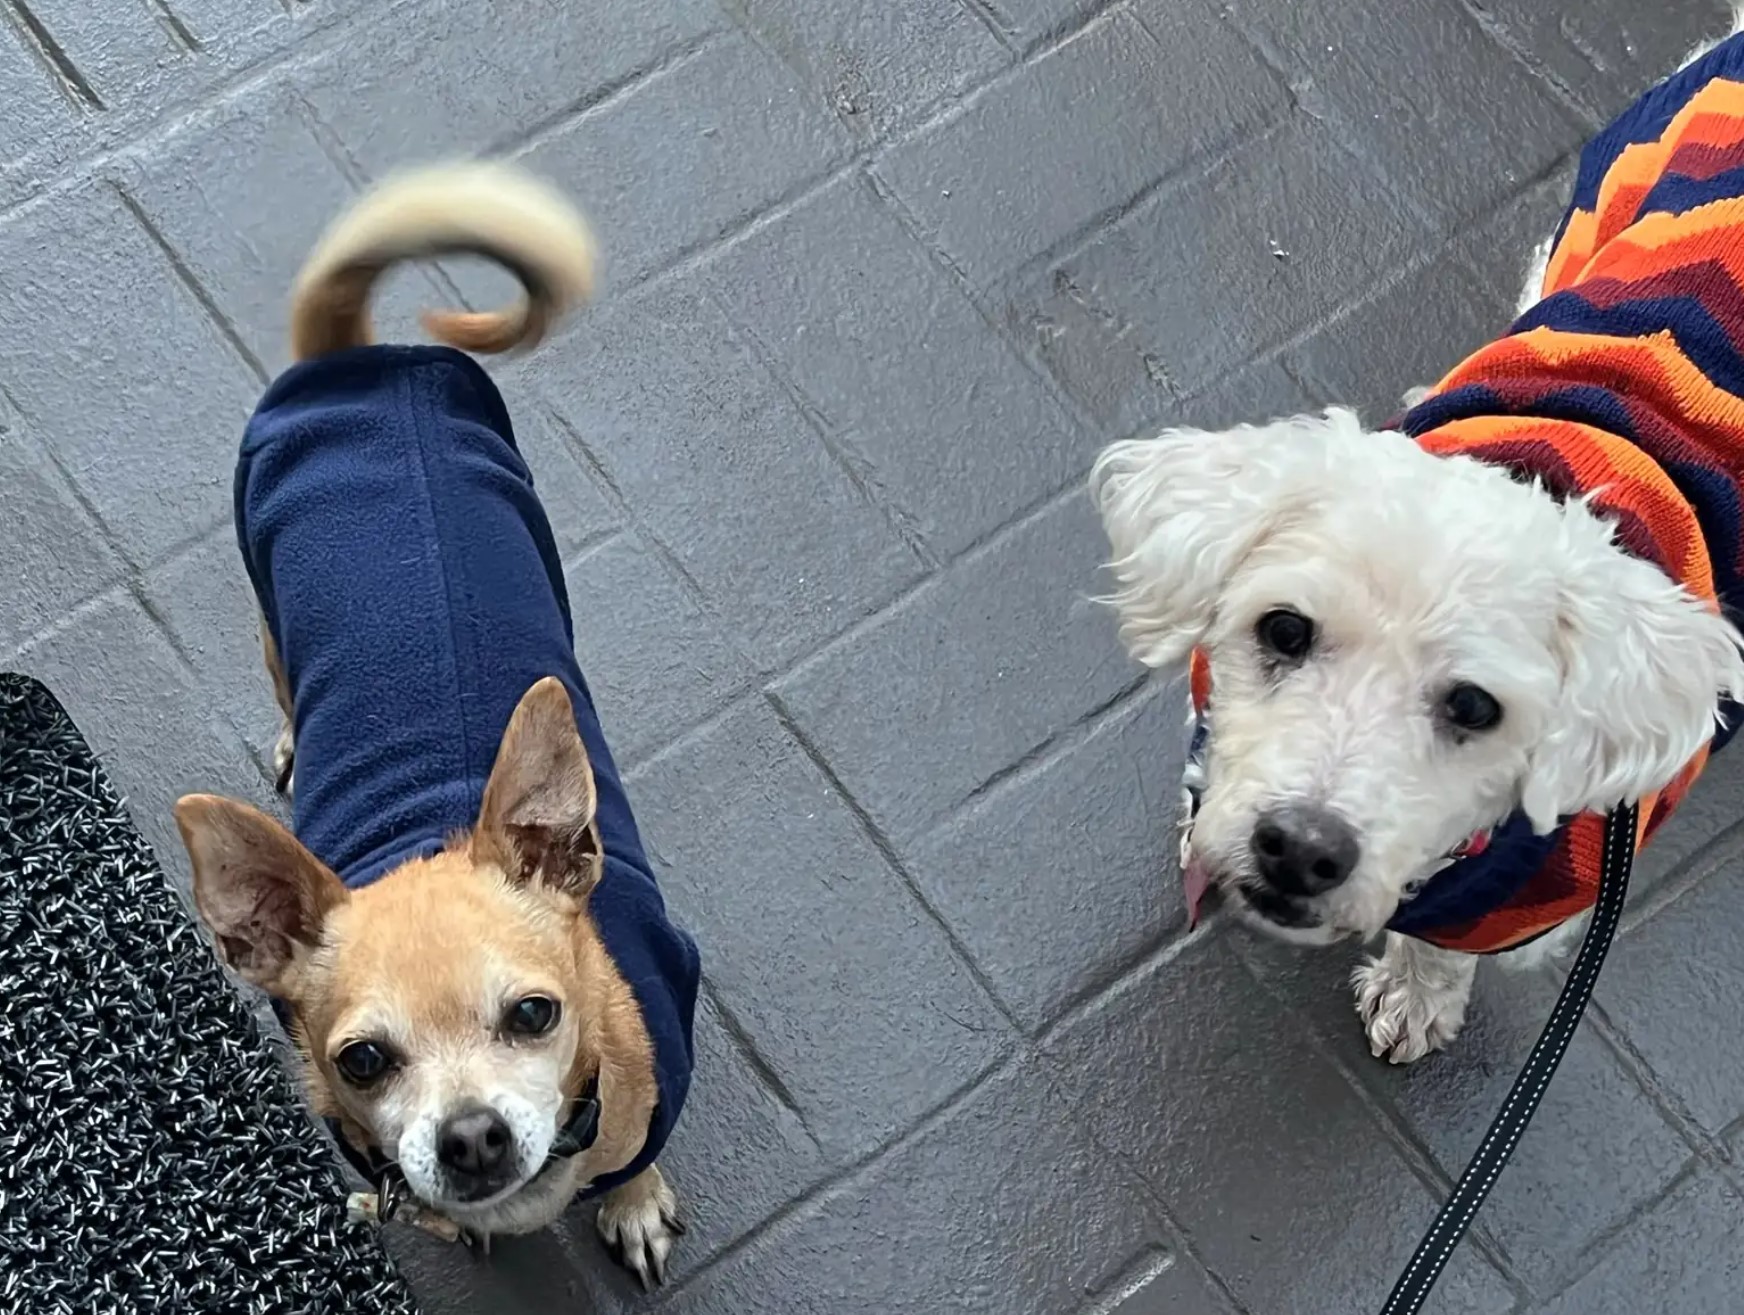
476, 1150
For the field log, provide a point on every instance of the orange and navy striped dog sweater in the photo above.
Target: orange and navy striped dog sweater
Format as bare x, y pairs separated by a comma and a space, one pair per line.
1625, 378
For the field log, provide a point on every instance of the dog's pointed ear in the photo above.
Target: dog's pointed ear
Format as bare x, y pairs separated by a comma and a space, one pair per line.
1184, 509
1645, 665
261, 894
537, 819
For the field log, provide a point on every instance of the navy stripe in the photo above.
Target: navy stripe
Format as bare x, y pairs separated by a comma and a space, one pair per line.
1649, 117
1678, 194
1472, 888
1699, 336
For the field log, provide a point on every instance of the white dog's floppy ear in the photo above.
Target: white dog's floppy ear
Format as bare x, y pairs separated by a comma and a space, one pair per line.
1183, 509
1645, 666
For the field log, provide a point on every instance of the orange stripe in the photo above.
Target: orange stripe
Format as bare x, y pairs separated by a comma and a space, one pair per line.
1649, 369
1662, 240
1199, 678
1571, 254
1713, 116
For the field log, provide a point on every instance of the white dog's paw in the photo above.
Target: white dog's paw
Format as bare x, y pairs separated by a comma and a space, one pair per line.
1405, 1015
639, 1224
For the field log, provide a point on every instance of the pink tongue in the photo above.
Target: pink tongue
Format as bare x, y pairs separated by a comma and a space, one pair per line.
1195, 881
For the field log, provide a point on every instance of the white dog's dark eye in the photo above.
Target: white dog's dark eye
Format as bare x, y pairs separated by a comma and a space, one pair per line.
1285, 633
362, 1062
1471, 708
531, 1015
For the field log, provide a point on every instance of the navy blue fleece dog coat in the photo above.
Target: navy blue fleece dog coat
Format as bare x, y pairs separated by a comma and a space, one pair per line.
408, 575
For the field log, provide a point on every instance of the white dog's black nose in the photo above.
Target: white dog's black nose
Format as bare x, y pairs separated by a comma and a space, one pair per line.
1304, 850
474, 1143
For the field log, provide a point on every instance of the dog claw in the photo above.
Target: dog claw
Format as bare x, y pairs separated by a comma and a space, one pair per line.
284, 760
639, 1225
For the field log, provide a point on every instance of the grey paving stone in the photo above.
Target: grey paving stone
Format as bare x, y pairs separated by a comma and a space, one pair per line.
1606, 55
225, 23
143, 58
1595, 1124
722, 468
1059, 877
1290, 1192
736, 132
1126, 388
1676, 990
1688, 1255
54, 557
155, 731
578, 509
206, 190
875, 66
119, 51
965, 678
1693, 838
1500, 247
538, 1273
655, 663
851, 996
113, 363
204, 597
1410, 333
737, 1154
1455, 119
1110, 112
124, 71
1204, 275
1179, 1289
1059, 1222
34, 111
941, 420
1033, 20
1260, 390
459, 77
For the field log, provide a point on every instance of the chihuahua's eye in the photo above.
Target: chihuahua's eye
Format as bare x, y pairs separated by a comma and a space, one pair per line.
362, 1062
1285, 634
532, 1015
1470, 708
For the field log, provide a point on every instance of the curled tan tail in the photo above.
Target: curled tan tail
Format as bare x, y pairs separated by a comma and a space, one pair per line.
474, 207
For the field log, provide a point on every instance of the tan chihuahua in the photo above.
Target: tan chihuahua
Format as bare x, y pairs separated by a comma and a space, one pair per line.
464, 932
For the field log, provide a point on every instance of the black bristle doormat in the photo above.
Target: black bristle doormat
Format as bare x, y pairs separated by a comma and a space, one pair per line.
154, 1154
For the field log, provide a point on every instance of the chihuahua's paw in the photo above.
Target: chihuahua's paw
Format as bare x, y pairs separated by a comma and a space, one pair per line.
284, 761
1405, 1016
639, 1224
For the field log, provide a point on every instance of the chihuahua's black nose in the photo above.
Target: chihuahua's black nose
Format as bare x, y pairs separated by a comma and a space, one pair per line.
1303, 850
473, 1143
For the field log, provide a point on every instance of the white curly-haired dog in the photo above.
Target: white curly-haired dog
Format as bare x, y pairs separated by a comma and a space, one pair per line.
1428, 659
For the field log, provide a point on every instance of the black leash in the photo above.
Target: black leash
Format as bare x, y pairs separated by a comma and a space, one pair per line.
1451, 1222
